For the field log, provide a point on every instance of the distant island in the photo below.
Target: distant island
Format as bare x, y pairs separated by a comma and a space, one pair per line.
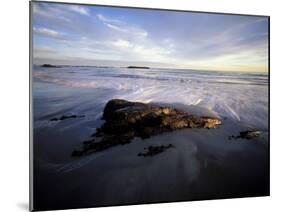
61, 66
140, 67
49, 66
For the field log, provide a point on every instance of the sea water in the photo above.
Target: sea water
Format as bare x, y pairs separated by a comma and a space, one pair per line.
204, 163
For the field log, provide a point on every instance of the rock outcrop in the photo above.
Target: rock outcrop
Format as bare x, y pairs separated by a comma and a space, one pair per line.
125, 120
247, 134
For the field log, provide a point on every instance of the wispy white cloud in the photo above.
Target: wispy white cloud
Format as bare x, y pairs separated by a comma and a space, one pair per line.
121, 26
79, 9
46, 32
108, 20
115, 27
58, 11
46, 12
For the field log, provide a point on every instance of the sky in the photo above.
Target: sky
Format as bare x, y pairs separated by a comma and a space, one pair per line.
66, 34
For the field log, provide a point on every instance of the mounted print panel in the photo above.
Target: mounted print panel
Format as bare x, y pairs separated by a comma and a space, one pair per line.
136, 106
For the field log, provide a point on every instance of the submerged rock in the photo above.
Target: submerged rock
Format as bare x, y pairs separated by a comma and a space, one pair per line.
247, 134
67, 117
154, 150
125, 120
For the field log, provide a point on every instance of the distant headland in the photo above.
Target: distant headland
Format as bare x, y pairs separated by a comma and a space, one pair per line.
49, 66
140, 67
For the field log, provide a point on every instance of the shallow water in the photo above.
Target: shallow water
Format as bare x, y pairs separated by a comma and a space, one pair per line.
204, 164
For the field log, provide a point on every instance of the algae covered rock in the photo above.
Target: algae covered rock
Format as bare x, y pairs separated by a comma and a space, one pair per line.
125, 120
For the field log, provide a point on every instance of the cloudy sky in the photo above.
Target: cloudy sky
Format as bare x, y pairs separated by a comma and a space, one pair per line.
94, 35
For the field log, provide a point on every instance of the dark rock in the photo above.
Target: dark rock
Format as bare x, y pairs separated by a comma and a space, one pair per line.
231, 137
247, 134
250, 134
49, 66
125, 120
54, 119
77, 153
154, 150
67, 117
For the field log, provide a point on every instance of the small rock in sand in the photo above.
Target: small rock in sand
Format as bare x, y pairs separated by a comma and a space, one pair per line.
154, 150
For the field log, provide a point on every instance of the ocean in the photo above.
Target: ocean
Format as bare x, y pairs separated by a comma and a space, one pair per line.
204, 164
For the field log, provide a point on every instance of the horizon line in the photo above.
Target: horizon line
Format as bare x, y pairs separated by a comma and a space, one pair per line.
148, 67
